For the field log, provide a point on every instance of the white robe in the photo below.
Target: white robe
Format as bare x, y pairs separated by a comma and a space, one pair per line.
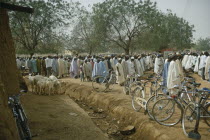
197, 64
207, 66
125, 68
139, 70
173, 77
189, 63
202, 61
61, 67
120, 73
131, 68
184, 61
158, 65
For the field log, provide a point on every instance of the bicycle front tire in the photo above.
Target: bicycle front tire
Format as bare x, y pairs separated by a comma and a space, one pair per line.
167, 112
100, 83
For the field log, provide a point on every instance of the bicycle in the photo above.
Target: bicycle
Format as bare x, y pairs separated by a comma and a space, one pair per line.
194, 112
103, 83
20, 117
156, 93
169, 111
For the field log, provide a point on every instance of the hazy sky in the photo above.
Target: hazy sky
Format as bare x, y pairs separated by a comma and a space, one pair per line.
196, 12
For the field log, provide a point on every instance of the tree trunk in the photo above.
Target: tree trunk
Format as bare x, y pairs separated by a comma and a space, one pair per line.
127, 51
9, 84
31, 55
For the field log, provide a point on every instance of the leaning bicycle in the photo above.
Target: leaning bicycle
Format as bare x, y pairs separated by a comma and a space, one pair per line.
104, 83
20, 117
194, 112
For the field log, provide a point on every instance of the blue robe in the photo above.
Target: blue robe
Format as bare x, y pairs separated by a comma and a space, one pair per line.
55, 66
34, 66
96, 69
103, 70
165, 73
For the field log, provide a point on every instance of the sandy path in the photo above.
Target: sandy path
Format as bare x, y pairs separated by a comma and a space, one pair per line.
49, 117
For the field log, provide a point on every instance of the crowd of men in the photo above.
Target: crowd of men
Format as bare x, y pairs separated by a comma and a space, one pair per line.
85, 68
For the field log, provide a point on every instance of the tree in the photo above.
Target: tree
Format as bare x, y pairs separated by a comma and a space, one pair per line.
203, 44
85, 37
168, 31
31, 30
124, 20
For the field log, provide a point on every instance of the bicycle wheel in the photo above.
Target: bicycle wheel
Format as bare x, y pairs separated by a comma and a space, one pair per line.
126, 87
150, 103
24, 122
207, 119
138, 93
189, 118
167, 112
100, 84
20, 130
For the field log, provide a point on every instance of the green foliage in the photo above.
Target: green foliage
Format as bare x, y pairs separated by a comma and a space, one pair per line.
203, 44
85, 36
136, 25
31, 30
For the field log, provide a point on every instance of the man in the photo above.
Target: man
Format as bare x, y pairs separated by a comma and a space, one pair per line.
43, 67
158, 67
55, 66
87, 70
74, 68
48, 62
125, 66
18, 63
38, 65
34, 66
119, 72
61, 67
131, 67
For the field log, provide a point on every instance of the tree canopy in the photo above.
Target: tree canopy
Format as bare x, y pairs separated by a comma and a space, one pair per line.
122, 25
40, 28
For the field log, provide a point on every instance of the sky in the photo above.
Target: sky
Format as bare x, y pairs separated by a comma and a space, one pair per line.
196, 12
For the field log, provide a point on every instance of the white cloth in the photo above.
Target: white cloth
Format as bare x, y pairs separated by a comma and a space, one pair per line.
202, 61
207, 66
48, 62
184, 61
173, 77
125, 68
18, 63
197, 64
61, 67
120, 73
131, 68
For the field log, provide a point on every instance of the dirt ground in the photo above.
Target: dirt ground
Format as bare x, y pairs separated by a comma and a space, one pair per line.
60, 118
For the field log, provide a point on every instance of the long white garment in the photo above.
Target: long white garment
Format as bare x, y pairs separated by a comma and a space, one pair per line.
87, 70
207, 66
120, 73
202, 61
142, 64
48, 62
18, 63
131, 68
181, 73
197, 64
173, 77
125, 68
139, 70
113, 64
158, 67
189, 62
184, 61
61, 67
